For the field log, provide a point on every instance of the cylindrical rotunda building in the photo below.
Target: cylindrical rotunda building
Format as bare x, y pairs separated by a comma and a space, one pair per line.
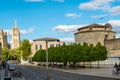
94, 33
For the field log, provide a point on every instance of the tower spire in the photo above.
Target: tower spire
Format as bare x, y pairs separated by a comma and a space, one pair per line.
15, 23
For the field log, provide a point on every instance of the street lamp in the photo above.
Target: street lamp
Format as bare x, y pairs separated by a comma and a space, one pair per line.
48, 40
46, 54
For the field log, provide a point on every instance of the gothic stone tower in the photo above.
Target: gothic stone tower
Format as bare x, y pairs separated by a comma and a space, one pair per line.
3, 39
15, 36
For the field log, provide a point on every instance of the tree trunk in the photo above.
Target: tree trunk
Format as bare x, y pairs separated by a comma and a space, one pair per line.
84, 64
98, 64
74, 64
90, 65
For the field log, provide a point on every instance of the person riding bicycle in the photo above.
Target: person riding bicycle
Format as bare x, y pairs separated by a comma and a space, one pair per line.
117, 67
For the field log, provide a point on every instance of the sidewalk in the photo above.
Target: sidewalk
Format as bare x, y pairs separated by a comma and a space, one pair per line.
102, 72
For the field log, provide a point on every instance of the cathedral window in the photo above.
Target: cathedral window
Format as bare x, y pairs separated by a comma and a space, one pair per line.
14, 34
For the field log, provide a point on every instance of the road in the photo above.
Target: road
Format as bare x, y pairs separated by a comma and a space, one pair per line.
37, 73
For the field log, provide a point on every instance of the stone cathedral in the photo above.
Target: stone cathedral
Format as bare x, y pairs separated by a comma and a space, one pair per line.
15, 36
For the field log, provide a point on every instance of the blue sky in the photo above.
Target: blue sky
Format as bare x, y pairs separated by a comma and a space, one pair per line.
57, 18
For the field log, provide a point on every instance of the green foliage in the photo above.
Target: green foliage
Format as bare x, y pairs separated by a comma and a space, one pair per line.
5, 53
73, 53
13, 54
25, 48
40, 56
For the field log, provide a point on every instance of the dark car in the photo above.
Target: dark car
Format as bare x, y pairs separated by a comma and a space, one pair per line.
11, 67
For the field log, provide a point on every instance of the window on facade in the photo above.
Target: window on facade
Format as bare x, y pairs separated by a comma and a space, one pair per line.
14, 34
57, 45
51, 45
90, 28
36, 47
113, 37
40, 46
106, 37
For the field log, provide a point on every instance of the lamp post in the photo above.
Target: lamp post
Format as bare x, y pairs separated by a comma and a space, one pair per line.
21, 57
46, 54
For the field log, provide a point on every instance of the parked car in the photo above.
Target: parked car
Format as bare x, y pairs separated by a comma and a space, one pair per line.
11, 67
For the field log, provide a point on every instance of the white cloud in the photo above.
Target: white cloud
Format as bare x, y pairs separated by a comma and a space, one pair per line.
114, 23
116, 26
34, 0
29, 31
67, 40
67, 28
96, 4
115, 10
73, 15
59, 0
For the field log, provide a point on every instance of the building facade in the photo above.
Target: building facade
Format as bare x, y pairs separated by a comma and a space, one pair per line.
94, 33
0, 51
113, 47
15, 36
3, 39
40, 43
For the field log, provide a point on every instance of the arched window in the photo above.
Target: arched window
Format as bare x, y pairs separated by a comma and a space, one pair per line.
106, 37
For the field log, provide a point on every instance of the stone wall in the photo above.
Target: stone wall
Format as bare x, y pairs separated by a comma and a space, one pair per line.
113, 47
93, 37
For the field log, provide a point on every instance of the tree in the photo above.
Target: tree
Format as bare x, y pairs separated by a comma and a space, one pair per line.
101, 52
25, 48
40, 56
15, 54
5, 53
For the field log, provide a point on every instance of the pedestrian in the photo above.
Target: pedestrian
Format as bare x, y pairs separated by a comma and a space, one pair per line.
4, 64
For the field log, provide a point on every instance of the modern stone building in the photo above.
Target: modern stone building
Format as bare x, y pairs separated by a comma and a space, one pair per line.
15, 36
3, 39
40, 43
94, 33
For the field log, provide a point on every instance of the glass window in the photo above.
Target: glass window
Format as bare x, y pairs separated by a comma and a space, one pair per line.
57, 45
36, 47
40, 46
51, 45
